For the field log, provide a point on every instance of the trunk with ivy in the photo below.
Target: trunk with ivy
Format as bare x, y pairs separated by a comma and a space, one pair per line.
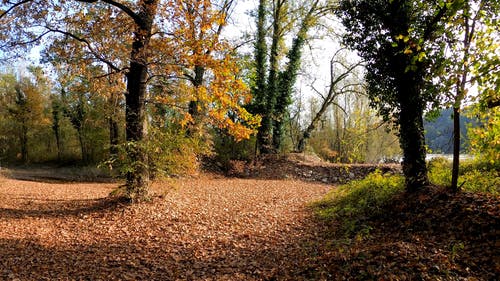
287, 78
265, 133
408, 77
411, 133
402, 42
272, 96
259, 90
135, 99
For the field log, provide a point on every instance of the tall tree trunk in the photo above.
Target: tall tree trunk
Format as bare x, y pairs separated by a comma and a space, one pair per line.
265, 132
411, 135
469, 28
135, 115
83, 150
287, 78
57, 134
260, 89
194, 110
24, 142
113, 136
456, 148
56, 127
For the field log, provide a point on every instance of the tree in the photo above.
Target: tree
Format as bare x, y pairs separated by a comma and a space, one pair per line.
24, 102
273, 87
134, 38
339, 73
463, 52
198, 27
400, 41
465, 49
485, 138
141, 15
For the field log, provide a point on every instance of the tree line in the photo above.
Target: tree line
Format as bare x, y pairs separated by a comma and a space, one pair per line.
150, 84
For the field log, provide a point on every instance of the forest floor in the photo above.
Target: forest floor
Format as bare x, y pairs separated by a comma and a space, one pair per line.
217, 228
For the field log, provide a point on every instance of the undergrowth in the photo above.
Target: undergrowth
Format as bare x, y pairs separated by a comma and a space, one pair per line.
474, 176
353, 203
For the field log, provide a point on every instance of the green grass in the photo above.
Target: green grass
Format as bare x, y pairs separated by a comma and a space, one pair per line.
353, 203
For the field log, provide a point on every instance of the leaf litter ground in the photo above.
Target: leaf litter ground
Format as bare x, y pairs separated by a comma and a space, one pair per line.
213, 228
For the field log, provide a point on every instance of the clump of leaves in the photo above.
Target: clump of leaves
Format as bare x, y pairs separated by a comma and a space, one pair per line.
353, 203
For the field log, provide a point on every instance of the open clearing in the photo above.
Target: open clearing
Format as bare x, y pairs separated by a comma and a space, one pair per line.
199, 229
212, 228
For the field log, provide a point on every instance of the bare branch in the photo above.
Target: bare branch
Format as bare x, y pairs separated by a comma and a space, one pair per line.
13, 7
89, 46
39, 37
137, 19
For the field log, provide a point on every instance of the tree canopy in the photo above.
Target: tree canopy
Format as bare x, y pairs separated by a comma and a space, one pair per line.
145, 42
401, 42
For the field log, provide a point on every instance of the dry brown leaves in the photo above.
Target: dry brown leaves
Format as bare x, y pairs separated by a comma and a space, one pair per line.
202, 229
238, 229
430, 235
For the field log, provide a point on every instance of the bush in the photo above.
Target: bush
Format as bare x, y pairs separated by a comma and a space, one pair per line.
168, 152
227, 149
474, 176
353, 203
439, 171
481, 181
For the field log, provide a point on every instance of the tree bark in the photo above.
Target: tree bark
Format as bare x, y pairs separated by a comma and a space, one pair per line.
83, 150
56, 127
113, 136
411, 135
259, 90
469, 28
24, 142
456, 149
194, 110
135, 115
287, 78
265, 132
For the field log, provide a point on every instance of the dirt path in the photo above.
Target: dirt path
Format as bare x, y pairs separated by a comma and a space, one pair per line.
203, 229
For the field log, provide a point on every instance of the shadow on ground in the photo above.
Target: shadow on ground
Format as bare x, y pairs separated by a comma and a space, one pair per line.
43, 209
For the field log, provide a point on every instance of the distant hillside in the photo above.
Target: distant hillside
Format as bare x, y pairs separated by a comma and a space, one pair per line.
439, 133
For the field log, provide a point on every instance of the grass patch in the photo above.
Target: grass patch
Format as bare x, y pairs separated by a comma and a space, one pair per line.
353, 203
474, 176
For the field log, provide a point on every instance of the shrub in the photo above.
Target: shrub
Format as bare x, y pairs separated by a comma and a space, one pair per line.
168, 152
475, 176
227, 149
353, 203
481, 181
439, 171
